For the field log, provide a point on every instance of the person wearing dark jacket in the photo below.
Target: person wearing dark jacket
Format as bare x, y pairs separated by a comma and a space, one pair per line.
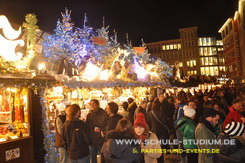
59, 122
111, 110
96, 120
167, 109
141, 109
76, 135
158, 124
205, 130
131, 109
115, 152
232, 153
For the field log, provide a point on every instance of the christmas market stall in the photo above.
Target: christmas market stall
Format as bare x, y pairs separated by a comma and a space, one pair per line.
90, 64
18, 81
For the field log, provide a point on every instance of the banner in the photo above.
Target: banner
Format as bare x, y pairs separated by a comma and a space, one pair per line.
139, 49
99, 41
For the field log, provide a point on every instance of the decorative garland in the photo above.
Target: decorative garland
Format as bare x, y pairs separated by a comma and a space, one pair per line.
52, 155
115, 84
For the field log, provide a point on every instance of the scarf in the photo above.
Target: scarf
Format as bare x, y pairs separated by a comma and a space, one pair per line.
208, 125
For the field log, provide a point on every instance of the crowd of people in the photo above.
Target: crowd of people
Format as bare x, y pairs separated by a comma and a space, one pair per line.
216, 114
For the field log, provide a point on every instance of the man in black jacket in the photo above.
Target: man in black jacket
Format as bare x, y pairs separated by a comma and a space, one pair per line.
96, 121
141, 109
131, 109
76, 136
111, 110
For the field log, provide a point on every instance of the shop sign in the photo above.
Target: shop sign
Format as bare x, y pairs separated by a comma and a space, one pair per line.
99, 41
12, 154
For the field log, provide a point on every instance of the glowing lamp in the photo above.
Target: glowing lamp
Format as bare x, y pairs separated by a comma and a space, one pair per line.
41, 68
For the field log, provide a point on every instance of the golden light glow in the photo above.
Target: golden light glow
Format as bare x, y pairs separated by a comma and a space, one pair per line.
41, 67
141, 72
91, 71
11, 90
104, 75
7, 44
8, 31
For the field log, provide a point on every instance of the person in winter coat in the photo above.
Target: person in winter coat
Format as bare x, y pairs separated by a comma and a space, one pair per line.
179, 113
158, 124
148, 139
59, 122
76, 135
149, 104
96, 120
131, 109
125, 112
117, 148
141, 109
218, 108
111, 110
205, 130
187, 127
232, 152
236, 114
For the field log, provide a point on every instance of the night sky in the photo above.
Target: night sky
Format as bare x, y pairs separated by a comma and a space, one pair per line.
148, 19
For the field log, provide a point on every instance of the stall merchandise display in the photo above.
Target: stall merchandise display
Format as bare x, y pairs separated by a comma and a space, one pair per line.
14, 121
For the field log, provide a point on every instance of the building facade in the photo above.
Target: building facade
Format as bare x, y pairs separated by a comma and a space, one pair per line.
194, 55
233, 36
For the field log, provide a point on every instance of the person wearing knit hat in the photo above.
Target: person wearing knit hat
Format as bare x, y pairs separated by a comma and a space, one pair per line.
140, 120
234, 129
189, 112
234, 151
142, 133
186, 127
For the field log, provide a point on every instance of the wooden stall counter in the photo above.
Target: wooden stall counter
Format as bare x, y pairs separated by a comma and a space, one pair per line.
17, 150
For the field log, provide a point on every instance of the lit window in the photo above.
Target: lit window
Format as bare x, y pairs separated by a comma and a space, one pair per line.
201, 51
207, 71
171, 47
203, 71
202, 61
210, 60
188, 63
179, 46
215, 60
194, 62
219, 42
163, 47
206, 61
175, 46
216, 71
167, 47
205, 51
180, 64
204, 42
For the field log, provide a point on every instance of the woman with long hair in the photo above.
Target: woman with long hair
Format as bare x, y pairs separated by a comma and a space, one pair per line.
121, 146
149, 140
76, 135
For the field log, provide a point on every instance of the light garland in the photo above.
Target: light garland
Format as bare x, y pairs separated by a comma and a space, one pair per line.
52, 155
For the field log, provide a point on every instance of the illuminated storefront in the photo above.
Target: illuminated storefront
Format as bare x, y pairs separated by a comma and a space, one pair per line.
211, 59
